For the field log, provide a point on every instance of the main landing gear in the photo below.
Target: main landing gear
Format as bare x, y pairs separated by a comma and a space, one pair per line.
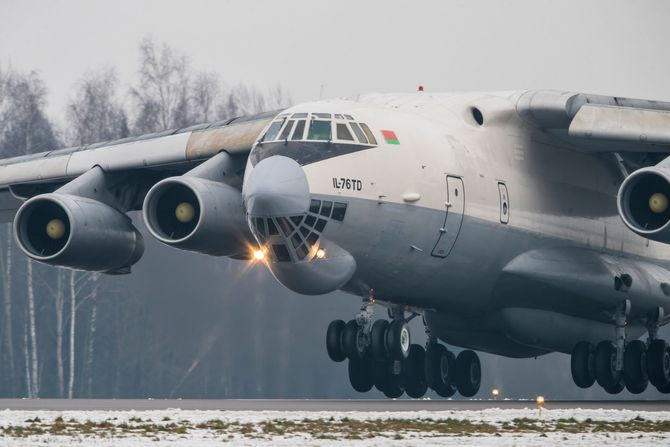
618, 364
382, 356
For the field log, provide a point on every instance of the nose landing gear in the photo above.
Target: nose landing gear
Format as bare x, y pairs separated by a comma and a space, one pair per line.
381, 355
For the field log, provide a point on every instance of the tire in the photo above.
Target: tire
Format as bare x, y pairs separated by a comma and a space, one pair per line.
440, 370
581, 364
393, 388
635, 367
334, 341
605, 362
380, 372
398, 340
468, 373
350, 341
413, 372
378, 340
360, 375
658, 363
616, 388
664, 389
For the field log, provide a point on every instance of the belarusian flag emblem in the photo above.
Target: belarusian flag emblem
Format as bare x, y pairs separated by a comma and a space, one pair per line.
390, 137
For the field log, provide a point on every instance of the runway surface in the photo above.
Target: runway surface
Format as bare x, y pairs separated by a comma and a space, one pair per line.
318, 405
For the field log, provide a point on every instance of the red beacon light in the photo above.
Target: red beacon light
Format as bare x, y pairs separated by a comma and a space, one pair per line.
421, 88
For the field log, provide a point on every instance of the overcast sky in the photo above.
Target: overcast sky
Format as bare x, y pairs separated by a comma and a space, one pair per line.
348, 47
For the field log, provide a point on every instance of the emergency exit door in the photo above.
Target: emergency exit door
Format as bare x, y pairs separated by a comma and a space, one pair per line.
453, 217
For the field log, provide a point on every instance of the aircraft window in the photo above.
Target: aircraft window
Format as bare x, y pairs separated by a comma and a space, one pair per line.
287, 130
320, 225
368, 133
272, 228
322, 115
314, 206
285, 226
299, 130
339, 209
281, 252
296, 220
343, 132
338, 116
359, 133
302, 251
260, 226
312, 238
310, 220
296, 240
304, 230
325, 209
319, 130
299, 115
272, 132
349, 117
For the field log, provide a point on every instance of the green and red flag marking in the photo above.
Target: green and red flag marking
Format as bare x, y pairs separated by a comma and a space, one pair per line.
390, 137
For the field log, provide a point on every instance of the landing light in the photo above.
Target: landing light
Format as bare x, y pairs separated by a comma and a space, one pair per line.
321, 253
259, 255
495, 392
55, 229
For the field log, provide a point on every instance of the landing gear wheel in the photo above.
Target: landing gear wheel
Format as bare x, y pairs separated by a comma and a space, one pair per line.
413, 371
440, 367
334, 341
378, 340
664, 389
616, 388
468, 373
360, 375
380, 371
635, 367
392, 388
581, 364
605, 362
658, 363
352, 341
398, 340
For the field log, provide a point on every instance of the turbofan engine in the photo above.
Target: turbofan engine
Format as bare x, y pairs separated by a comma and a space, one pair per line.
643, 202
199, 211
77, 232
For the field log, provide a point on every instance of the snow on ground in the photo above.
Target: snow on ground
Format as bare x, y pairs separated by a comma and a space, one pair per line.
490, 427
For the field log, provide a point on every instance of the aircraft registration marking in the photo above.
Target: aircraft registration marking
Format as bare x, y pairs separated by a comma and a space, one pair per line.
347, 183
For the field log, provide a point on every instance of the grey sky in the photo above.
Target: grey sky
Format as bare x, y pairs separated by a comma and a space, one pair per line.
612, 47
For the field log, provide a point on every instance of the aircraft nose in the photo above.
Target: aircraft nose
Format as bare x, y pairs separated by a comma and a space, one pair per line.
276, 187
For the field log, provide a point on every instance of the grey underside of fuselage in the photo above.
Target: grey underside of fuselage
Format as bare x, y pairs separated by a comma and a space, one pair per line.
501, 289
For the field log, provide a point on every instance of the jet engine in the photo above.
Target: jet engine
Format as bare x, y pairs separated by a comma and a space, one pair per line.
199, 212
643, 202
77, 232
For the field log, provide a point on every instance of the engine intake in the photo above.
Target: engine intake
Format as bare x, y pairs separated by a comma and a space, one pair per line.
77, 232
643, 203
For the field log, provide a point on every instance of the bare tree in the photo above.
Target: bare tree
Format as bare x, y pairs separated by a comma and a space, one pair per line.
205, 92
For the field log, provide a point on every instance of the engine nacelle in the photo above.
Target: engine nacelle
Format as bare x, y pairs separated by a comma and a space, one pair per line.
77, 232
198, 214
643, 202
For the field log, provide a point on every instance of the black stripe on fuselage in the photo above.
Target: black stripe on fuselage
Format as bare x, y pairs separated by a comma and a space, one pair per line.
304, 152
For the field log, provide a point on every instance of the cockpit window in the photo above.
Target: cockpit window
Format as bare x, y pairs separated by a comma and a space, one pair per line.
349, 117
287, 130
338, 116
368, 133
359, 133
322, 115
343, 132
281, 252
319, 130
273, 130
299, 130
299, 115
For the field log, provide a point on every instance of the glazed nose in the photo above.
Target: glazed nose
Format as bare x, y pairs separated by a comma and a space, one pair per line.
276, 187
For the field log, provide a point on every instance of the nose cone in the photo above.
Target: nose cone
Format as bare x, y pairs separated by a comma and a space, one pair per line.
276, 187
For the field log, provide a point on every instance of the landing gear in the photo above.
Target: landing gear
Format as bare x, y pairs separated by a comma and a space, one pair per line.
658, 364
607, 374
381, 355
582, 364
634, 367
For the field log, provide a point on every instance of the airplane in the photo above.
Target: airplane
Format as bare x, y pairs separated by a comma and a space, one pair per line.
514, 223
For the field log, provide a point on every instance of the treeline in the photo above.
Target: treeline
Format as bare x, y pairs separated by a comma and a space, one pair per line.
76, 334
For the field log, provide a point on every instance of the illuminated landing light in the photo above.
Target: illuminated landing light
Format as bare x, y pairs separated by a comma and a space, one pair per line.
259, 255
55, 229
540, 403
495, 393
184, 212
321, 253
658, 203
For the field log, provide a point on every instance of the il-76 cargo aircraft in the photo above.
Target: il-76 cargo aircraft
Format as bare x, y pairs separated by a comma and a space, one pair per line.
515, 223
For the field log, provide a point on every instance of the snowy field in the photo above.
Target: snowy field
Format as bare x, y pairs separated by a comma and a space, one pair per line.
490, 427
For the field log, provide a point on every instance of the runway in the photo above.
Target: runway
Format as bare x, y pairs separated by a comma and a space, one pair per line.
320, 405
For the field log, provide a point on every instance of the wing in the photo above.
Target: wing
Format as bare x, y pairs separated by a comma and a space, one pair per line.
143, 160
638, 129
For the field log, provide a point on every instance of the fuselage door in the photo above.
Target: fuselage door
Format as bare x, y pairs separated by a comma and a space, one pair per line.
453, 217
